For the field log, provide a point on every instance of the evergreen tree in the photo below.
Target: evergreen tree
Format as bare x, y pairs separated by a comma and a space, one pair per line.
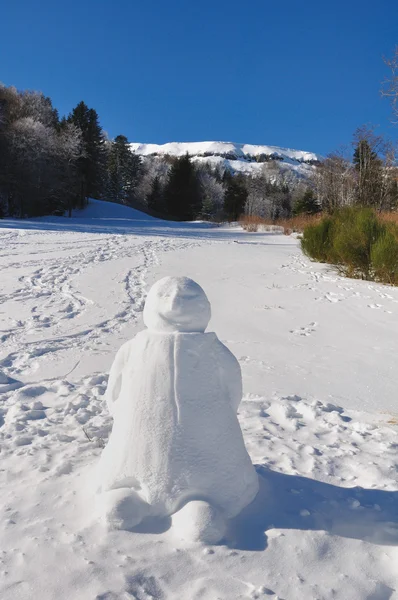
155, 200
285, 201
122, 172
307, 204
363, 155
92, 163
368, 168
226, 177
182, 192
207, 208
235, 197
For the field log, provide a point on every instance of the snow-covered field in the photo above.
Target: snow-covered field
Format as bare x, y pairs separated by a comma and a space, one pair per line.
319, 416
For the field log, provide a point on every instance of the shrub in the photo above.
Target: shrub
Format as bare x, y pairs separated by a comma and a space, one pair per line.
317, 240
384, 257
358, 242
356, 230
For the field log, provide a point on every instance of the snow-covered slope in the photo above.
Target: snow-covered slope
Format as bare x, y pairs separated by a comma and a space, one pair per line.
246, 158
97, 209
319, 414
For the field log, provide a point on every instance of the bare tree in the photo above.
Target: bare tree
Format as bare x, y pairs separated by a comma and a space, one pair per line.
390, 85
374, 169
269, 194
334, 182
388, 193
368, 167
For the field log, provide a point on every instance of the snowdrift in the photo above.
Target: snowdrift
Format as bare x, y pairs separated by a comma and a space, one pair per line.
100, 209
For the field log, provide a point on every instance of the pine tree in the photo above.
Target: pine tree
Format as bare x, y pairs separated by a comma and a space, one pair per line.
182, 192
92, 164
368, 167
122, 172
235, 197
207, 208
364, 155
155, 200
307, 204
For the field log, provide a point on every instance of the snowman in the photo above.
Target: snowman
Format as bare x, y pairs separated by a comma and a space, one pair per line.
176, 448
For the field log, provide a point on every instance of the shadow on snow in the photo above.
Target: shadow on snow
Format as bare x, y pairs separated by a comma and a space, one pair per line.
295, 502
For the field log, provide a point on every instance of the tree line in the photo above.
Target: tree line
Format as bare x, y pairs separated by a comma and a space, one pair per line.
368, 177
52, 165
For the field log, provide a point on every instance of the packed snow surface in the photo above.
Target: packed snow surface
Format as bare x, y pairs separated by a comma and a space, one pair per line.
319, 414
174, 391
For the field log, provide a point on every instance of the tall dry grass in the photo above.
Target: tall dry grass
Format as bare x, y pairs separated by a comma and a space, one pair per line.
300, 222
291, 225
388, 217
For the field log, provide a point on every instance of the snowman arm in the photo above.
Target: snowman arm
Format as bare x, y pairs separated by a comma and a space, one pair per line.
115, 377
232, 376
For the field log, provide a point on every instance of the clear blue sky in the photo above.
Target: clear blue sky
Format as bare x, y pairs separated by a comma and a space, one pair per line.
296, 73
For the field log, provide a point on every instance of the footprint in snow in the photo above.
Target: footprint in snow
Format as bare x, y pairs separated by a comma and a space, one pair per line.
332, 297
144, 587
305, 331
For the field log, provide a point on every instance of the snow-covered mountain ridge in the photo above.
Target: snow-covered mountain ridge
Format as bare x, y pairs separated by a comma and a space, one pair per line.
246, 158
226, 150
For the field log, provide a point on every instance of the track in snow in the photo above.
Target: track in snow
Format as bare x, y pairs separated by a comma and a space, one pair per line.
51, 294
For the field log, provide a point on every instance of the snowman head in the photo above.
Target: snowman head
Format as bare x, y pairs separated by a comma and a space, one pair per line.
177, 304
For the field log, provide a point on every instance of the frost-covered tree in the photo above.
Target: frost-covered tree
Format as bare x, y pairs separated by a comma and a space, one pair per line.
390, 86
38, 107
212, 191
152, 167
38, 155
70, 150
269, 195
32, 169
